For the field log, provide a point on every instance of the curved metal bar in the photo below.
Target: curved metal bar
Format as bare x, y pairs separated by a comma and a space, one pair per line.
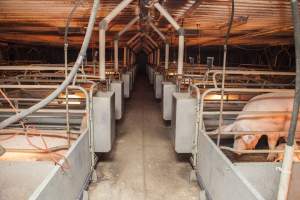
66, 82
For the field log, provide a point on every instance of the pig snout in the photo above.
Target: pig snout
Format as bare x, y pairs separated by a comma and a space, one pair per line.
239, 145
245, 142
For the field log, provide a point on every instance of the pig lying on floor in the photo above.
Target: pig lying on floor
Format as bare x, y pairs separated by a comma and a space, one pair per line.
282, 102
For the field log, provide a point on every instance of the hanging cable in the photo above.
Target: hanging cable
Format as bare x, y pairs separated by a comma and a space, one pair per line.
199, 46
224, 70
66, 44
66, 82
27, 131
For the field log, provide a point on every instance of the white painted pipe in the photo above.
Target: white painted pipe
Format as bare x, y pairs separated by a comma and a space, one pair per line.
167, 56
102, 52
161, 35
154, 57
147, 48
117, 10
128, 26
158, 56
151, 40
166, 14
102, 29
125, 56
116, 54
150, 45
180, 30
136, 41
133, 38
180, 53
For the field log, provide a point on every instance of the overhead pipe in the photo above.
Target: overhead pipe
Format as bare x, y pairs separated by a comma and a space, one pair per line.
133, 38
136, 48
158, 56
287, 163
167, 45
116, 41
103, 25
145, 45
166, 14
138, 39
116, 55
156, 49
66, 44
161, 35
128, 26
167, 51
180, 31
66, 82
125, 56
151, 40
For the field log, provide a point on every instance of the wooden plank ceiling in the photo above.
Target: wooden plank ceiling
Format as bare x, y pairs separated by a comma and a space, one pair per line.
256, 22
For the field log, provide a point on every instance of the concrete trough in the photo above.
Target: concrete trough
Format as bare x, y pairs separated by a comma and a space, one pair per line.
183, 122
168, 88
158, 78
104, 121
130, 72
222, 180
39, 179
126, 79
151, 75
118, 88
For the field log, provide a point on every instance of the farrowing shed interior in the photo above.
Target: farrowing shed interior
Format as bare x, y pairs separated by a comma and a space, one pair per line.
149, 99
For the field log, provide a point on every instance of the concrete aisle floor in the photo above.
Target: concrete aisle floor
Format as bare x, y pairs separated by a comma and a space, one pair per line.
143, 164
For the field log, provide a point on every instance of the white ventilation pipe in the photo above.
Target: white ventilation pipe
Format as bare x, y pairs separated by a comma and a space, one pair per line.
166, 14
167, 51
134, 42
180, 31
116, 55
102, 53
116, 41
128, 26
180, 51
69, 78
133, 38
151, 40
117, 10
158, 56
161, 35
125, 56
102, 29
167, 46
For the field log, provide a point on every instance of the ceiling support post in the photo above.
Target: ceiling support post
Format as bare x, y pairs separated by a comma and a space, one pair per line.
180, 31
102, 29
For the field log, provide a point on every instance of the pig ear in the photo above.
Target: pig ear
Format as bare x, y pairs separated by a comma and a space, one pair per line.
248, 138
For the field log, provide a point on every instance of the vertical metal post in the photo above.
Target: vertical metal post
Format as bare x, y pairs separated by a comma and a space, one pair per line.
287, 163
116, 54
180, 51
125, 56
158, 56
167, 55
102, 30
